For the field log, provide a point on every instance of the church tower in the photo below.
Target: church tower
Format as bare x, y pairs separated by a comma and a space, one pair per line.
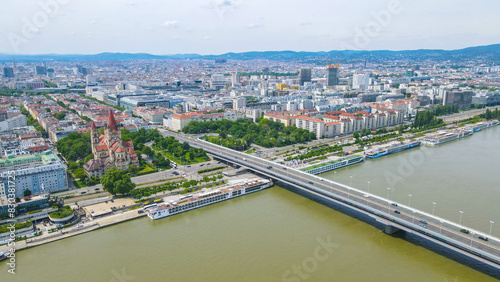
94, 138
111, 132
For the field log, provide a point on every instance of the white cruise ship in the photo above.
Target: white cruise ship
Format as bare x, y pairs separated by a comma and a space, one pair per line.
190, 202
446, 136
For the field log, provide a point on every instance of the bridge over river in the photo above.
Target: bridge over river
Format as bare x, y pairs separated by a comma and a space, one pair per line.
394, 216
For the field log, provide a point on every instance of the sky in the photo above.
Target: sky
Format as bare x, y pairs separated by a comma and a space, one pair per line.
219, 26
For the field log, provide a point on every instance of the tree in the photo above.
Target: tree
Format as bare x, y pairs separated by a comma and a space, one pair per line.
355, 135
88, 158
116, 181
147, 151
79, 173
162, 162
59, 116
27, 193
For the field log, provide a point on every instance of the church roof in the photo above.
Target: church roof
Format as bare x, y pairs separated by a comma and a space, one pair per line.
128, 144
93, 126
112, 122
101, 147
93, 165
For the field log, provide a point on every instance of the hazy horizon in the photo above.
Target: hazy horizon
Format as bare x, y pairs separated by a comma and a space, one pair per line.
218, 54
209, 27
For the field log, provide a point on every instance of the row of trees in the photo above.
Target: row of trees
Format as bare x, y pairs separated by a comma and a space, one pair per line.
491, 114
182, 151
266, 133
445, 110
74, 147
426, 119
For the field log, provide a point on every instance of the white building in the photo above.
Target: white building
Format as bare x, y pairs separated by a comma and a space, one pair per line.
11, 123
360, 81
41, 174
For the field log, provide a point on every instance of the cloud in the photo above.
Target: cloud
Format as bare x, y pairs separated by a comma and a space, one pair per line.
305, 23
221, 7
93, 21
226, 3
207, 37
170, 24
254, 25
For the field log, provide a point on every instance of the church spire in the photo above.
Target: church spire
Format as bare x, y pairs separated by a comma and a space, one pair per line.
93, 126
112, 122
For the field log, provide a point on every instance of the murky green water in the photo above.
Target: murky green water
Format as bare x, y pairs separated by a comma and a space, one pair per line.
276, 235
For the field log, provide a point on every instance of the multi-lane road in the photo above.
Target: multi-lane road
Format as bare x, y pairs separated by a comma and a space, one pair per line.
400, 216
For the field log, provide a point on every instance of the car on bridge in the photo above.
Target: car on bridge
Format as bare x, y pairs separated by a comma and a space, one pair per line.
423, 221
483, 238
465, 231
398, 212
421, 225
269, 167
394, 204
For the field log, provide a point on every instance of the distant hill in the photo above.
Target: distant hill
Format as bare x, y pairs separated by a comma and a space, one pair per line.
490, 52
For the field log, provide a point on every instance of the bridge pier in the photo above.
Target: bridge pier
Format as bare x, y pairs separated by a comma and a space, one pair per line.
390, 229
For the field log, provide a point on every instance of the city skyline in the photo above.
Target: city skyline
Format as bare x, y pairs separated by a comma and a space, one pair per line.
220, 26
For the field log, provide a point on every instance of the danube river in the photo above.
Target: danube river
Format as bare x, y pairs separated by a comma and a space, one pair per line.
277, 235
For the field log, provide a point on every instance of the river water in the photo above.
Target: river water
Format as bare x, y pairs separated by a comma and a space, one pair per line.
277, 235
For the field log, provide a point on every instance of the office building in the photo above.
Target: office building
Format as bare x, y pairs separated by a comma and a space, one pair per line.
332, 75
361, 81
461, 98
8, 72
131, 102
14, 122
41, 173
40, 70
304, 76
179, 121
235, 79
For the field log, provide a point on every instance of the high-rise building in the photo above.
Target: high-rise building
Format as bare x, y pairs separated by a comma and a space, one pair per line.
410, 73
235, 79
304, 76
40, 70
50, 72
360, 81
332, 75
8, 72
239, 103
41, 173
461, 98
82, 70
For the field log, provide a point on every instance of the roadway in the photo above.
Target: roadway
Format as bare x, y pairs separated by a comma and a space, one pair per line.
465, 115
186, 171
375, 206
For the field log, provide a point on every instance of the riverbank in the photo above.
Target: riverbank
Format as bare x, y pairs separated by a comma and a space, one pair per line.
73, 231
99, 222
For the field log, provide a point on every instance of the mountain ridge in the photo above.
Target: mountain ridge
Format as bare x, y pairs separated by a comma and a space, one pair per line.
487, 52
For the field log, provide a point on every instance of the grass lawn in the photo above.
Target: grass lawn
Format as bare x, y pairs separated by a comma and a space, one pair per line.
79, 184
146, 170
178, 161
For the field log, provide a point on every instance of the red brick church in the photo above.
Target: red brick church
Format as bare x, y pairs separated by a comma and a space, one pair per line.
109, 150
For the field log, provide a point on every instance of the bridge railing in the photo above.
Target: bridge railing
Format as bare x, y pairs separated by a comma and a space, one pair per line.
420, 213
366, 208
